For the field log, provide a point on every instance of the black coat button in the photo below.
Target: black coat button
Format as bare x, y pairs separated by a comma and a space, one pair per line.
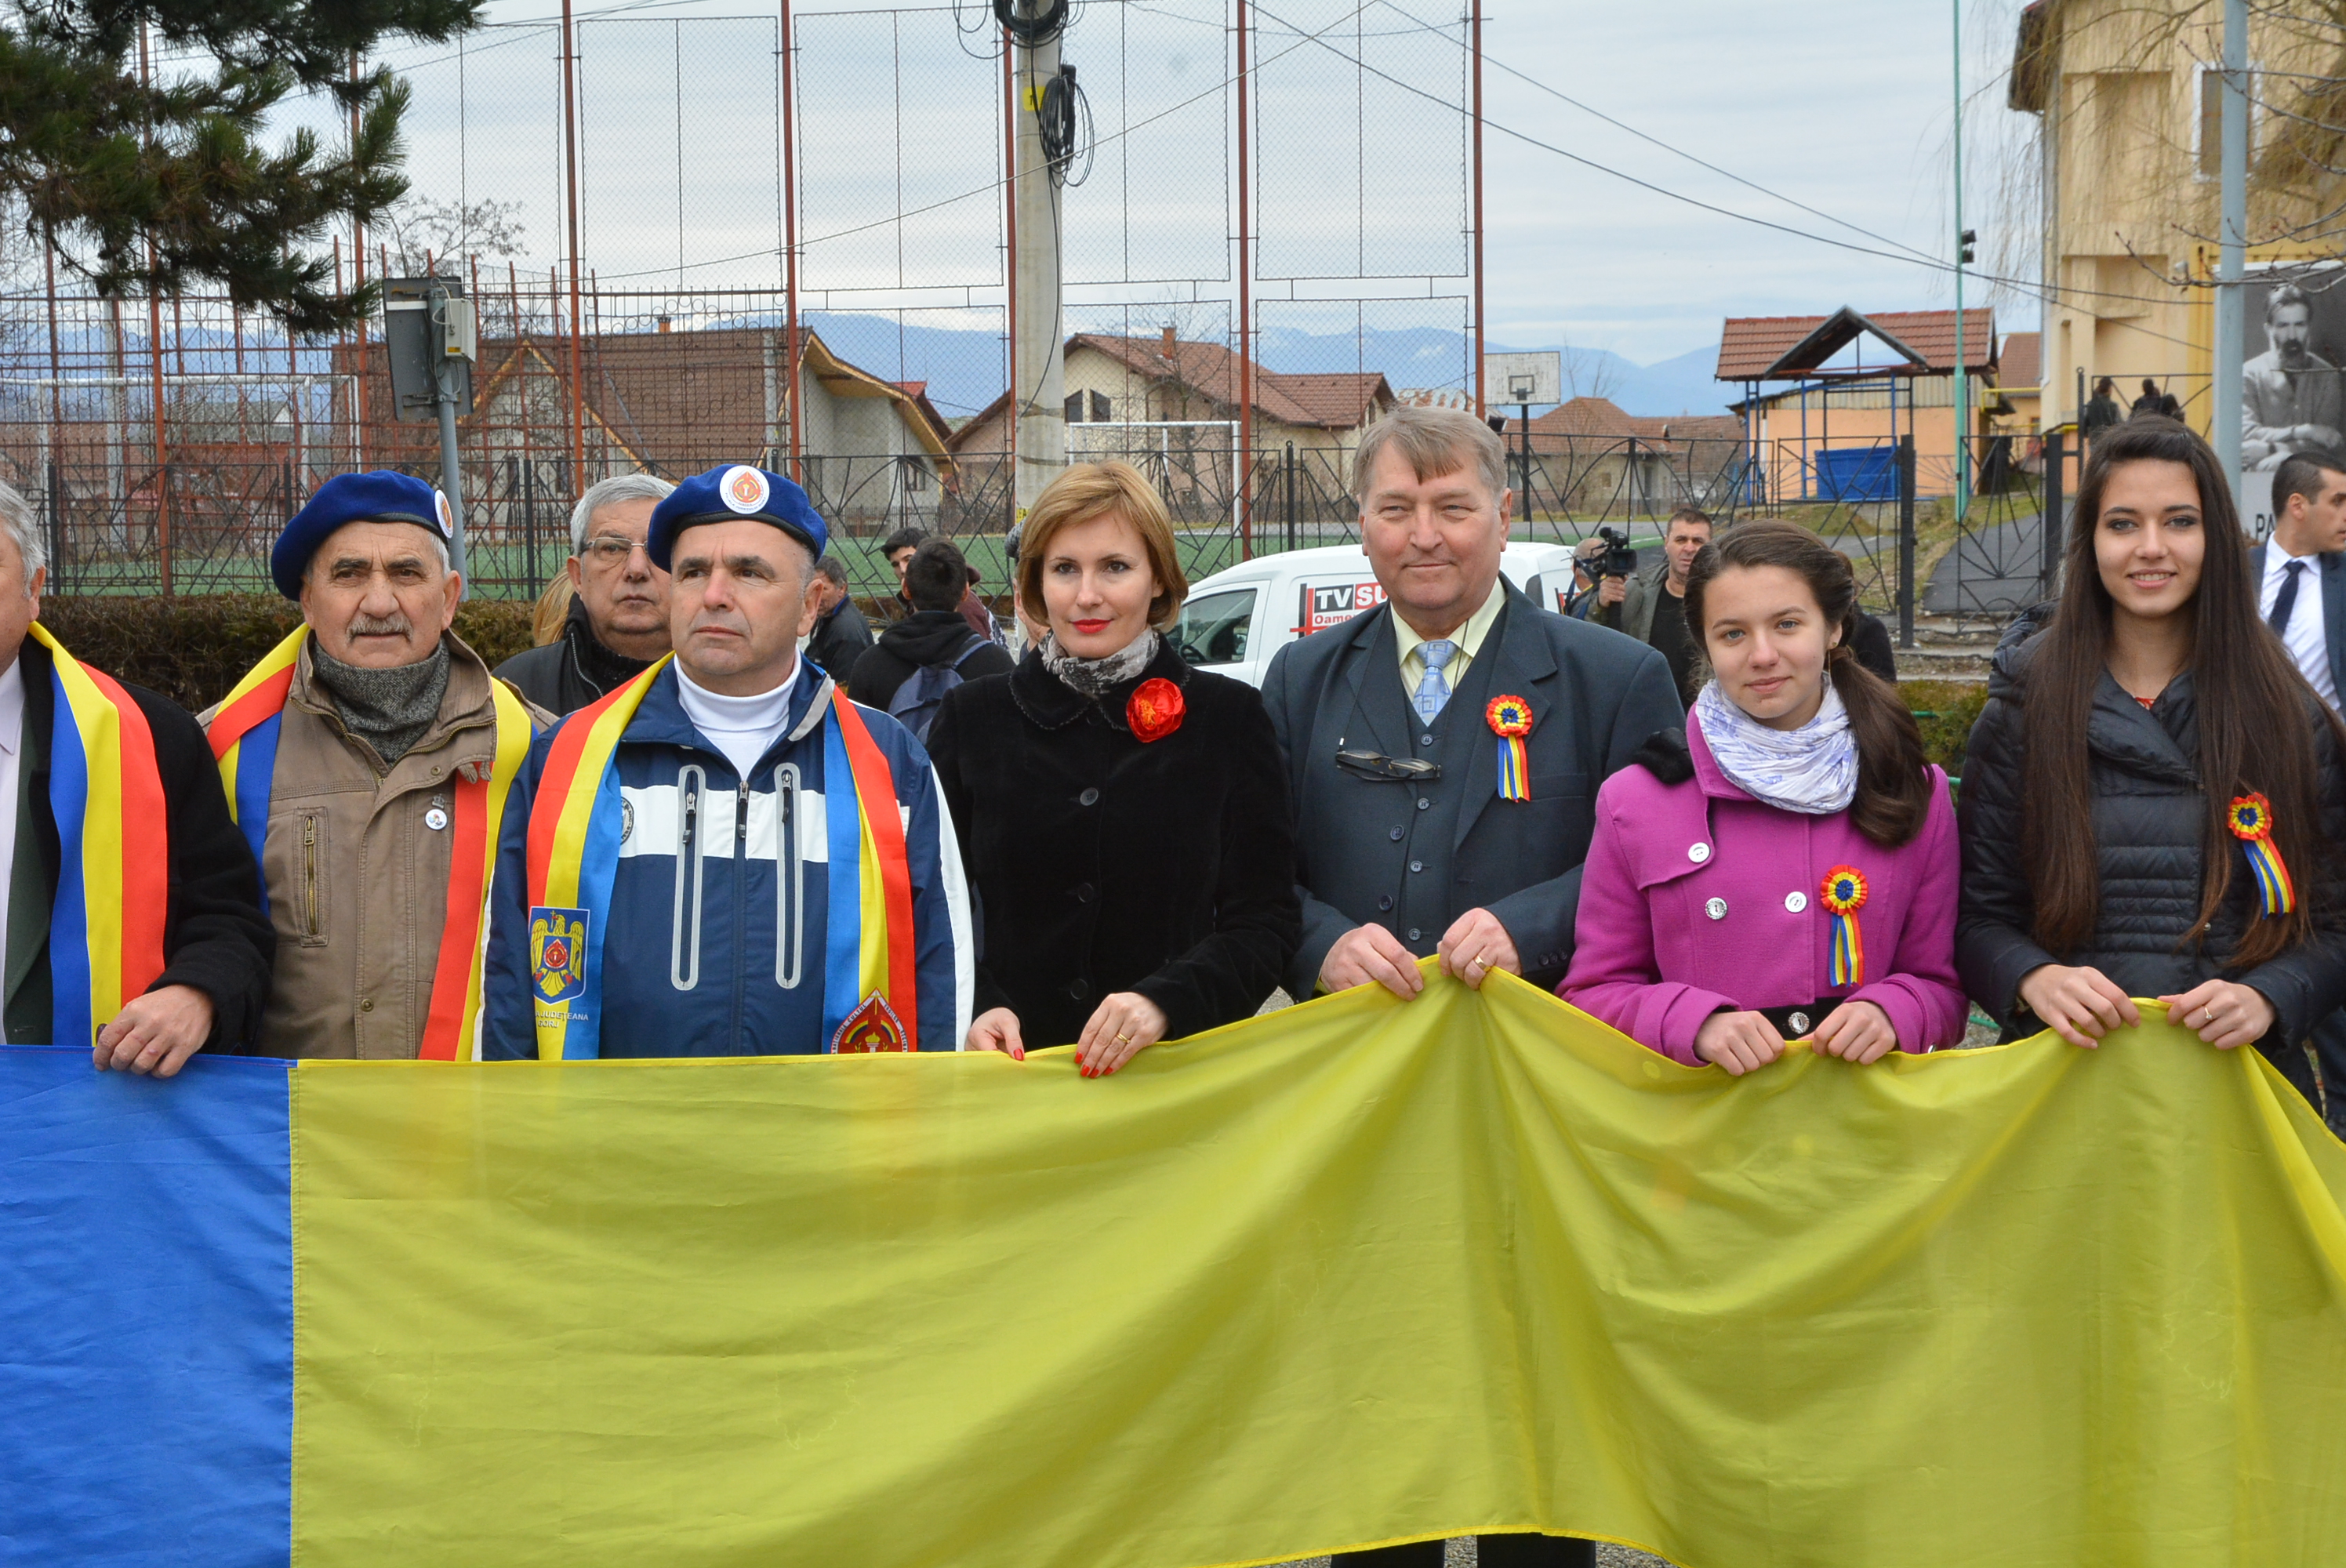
1417, 865
1412, 933
1088, 797
1422, 802
1384, 900
1426, 740
1396, 835
1083, 892
1079, 989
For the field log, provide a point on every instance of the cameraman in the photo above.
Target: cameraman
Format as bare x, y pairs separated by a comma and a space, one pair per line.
1651, 607
1582, 597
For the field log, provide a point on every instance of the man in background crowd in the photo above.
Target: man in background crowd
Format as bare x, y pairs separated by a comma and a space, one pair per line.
2102, 411
2300, 577
618, 616
1651, 606
917, 660
1583, 597
358, 757
841, 632
899, 548
2154, 401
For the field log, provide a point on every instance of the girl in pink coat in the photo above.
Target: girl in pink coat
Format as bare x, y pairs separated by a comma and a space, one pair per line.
1788, 870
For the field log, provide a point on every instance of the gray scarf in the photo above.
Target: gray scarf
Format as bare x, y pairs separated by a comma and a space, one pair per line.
1096, 678
389, 710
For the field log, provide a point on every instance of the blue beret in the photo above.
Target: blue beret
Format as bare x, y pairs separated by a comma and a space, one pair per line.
378, 497
726, 494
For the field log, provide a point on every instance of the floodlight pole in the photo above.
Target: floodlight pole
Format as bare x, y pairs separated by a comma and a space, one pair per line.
448, 371
1038, 397
1962, 386
2230, 262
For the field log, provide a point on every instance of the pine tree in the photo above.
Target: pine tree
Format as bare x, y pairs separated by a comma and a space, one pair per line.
147, 182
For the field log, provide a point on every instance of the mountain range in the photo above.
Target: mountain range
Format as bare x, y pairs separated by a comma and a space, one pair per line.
963, 368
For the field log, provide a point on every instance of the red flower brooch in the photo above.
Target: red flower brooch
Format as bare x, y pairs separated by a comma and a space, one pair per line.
1156, 709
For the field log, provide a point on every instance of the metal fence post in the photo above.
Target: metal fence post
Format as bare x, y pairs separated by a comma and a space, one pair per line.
1290, 465
2048, 521
1905, 541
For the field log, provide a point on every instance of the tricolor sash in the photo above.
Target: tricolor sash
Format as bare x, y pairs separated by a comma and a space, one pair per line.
870, 988
243, 736
114, 862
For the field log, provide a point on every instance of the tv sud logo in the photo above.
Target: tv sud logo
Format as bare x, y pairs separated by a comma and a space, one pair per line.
1326, 604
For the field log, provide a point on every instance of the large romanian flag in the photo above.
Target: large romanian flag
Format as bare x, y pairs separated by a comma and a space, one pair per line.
1357, 1272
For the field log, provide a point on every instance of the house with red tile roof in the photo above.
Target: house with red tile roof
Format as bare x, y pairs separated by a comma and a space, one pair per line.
1169, 405
873, 451
1822, 393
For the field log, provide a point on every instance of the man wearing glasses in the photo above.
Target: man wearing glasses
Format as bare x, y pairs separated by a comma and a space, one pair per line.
618, 619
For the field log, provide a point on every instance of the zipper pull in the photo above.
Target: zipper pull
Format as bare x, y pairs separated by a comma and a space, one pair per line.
741, 815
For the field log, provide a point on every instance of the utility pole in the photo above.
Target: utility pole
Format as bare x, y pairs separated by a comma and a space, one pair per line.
1038, 355
2230, 328
1962, 254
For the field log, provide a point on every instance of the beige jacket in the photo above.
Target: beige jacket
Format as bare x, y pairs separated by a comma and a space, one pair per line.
358, 878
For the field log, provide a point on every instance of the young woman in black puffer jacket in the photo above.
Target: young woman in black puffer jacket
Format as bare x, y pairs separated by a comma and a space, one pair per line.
2100, 856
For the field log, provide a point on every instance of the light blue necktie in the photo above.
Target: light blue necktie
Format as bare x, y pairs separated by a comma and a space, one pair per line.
1432, 686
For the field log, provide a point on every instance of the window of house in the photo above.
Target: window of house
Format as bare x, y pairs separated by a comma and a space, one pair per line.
1074, 408
1100, 413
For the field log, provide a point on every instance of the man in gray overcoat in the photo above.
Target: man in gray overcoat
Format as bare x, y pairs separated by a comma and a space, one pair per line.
1409, 838
1410, 834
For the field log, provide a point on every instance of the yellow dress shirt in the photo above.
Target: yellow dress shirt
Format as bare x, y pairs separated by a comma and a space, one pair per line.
1468, 638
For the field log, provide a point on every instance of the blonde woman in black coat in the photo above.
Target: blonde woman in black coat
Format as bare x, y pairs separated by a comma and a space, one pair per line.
1123, 817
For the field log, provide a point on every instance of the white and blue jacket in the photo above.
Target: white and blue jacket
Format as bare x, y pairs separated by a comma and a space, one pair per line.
716, 929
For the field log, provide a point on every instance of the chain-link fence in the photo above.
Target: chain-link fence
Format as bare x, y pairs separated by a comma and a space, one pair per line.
165, 443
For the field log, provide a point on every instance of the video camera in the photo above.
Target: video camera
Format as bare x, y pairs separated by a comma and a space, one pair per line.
1618, 559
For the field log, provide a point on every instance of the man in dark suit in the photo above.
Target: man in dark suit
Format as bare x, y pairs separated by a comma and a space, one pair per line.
2300, 575
1405, 845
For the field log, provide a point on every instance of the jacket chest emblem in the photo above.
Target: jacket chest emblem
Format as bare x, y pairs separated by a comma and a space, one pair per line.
558, 952
627, 819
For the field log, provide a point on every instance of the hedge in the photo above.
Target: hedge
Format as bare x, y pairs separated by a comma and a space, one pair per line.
193, 649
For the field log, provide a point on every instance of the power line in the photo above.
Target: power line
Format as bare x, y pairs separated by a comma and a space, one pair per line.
993, 188
1911, 258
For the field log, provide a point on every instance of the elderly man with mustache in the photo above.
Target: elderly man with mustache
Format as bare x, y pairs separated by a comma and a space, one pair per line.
366, 762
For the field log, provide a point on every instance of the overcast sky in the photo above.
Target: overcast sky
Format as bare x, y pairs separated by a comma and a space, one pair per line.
1842, 105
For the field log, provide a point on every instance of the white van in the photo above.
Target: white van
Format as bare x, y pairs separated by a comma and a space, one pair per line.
1236, 619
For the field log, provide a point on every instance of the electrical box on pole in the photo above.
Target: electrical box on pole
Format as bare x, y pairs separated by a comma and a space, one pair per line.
1044, 120
431, 340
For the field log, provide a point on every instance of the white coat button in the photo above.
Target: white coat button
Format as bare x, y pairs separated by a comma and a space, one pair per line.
1716, 909
1796, 902
1697, 854
1799, 1022
436, 819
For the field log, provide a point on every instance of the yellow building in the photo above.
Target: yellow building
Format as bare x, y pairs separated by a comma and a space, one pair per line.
2128, 98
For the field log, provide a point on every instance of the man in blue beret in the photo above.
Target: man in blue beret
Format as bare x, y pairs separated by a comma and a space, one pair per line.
367, 760
727, 857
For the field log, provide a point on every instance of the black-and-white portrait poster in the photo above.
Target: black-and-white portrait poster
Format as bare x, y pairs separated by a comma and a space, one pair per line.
2292, 396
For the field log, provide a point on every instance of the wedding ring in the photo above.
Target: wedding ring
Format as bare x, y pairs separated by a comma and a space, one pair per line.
1124, 1039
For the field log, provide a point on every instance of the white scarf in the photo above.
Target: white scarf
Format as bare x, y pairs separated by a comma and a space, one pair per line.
1811, 770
